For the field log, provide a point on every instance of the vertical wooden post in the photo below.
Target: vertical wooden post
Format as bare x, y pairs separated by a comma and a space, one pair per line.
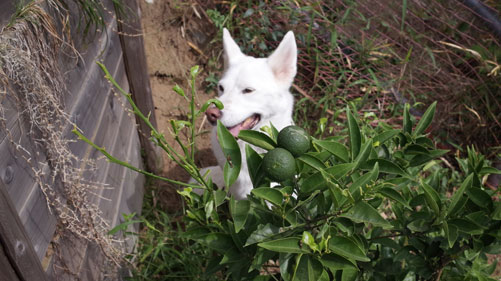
16, 245
129, 26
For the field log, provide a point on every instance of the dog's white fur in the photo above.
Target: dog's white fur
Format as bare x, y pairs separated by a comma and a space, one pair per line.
269, 80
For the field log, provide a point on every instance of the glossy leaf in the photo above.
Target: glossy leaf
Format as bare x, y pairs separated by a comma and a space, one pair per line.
420, 159
363, 155
384, 136
385, 166
253, 163
307, 239
270, 194
426, 119
354, 132
363, 212
308, 268
479, 197
262, 233
358, 186
317, 181
432, 197
239, 211
465, 226
458, 194
257, 138
347, 248
335, 262
312, 161
394, 195
335, 148
451, 232
231, 151
284, 245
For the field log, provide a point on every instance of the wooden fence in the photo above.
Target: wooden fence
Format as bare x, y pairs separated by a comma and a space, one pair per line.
28, 229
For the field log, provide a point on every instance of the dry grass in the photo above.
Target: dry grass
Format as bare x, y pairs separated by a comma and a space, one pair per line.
30, 76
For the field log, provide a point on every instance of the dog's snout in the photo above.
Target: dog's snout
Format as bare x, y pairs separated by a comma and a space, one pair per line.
213, 114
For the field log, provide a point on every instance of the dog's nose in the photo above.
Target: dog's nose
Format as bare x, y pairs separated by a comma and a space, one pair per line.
213, 114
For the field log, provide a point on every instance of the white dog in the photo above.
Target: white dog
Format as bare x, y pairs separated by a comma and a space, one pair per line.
254, 92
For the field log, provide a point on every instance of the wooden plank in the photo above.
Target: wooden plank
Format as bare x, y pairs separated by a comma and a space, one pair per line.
131, 200
7, 9
91, 48
87, 261
16, 243
6, 270
139, 81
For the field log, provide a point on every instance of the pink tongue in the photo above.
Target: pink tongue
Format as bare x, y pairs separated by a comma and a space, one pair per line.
235, 129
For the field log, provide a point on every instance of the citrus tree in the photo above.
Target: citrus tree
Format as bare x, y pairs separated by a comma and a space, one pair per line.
374, 205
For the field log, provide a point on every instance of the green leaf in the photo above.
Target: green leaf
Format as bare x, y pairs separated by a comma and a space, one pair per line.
312, 161
363, 155
425, 119
349, 274
358, 186
285, 260
284, 245
385, 166
253, 163
407, 120
363, 212
384, 136
347, 248
194, 70
220, 242
219, 196
424, 158
496, 214
465, 226
489, 170
307, 239
308, 268
239, 211
317, 181
270, 194
123, 226
231, 151
206, 105
354, 132
179, 90
335, 262
432, 198
262, 233
479, 197
458, 194
394, 195
451, 232
335, 148
257, 138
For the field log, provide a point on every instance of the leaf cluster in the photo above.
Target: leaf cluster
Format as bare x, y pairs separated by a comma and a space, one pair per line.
379, 206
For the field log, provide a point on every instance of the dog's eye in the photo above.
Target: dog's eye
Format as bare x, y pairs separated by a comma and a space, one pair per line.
248, 90
221, 88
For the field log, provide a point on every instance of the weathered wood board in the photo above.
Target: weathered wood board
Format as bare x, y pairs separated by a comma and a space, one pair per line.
103, 116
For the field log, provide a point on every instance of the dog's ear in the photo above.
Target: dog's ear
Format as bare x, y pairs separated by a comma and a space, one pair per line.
231, 50
284, 59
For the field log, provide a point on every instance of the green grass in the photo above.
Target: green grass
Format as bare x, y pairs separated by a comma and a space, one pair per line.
163, 253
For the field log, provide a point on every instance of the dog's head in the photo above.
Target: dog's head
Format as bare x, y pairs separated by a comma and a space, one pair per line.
254, 90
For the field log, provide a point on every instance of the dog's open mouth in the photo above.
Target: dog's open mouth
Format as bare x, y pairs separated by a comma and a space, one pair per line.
247, 124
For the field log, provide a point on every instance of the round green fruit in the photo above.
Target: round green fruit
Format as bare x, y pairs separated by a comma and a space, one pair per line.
295, 139
279, 164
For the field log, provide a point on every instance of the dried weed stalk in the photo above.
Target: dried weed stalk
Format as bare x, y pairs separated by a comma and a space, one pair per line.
30, 75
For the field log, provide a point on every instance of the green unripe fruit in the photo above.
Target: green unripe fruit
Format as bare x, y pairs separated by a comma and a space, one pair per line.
279, 164
295, 139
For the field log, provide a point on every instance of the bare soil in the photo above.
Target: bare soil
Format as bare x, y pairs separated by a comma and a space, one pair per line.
175, 36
